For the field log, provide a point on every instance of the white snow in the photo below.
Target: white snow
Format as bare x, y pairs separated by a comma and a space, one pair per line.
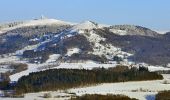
161, 31
103, 25
86, 65
152, 68
118, 32
35, 39
53, 58
43, 22
73, 51
11, 58
168, 65
5, 68
157, 68
29, 47
85, 25
37, 22
31, 68
139, 90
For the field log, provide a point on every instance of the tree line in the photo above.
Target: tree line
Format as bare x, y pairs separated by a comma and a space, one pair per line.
56, 79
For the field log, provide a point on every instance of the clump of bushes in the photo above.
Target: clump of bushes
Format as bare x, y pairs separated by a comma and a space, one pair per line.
18, 67
164, 95
102, 97
166, 82
4, 85
47, 95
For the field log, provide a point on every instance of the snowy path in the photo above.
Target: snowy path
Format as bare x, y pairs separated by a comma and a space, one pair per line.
31, 68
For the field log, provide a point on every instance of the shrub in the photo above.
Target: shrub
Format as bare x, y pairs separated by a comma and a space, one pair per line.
47, 95
102, 97
164, 95
166, 82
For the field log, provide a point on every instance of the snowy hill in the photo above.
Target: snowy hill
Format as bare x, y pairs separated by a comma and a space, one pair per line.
43, 22
132, 30
36, 40
36, 22
86, 25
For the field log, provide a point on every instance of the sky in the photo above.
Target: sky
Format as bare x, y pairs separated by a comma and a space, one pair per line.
154, 14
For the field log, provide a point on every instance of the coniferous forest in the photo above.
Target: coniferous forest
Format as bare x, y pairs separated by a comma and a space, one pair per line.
55, 79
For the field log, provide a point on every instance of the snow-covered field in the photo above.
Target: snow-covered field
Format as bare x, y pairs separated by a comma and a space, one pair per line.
142, 90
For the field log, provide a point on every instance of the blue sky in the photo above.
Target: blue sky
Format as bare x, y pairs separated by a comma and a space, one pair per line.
154, 14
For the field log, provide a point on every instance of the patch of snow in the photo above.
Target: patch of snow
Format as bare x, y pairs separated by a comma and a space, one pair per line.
85, 25
85, 65
53, 58
10, 58
1, 32
35, 39
5, 68
29, 47
72, 51
157, 68
118, 32
161, 32
168, 65
151, 68
37, 22
103, 25
45, 22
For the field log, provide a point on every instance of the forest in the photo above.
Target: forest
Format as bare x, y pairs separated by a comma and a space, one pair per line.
57, 79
